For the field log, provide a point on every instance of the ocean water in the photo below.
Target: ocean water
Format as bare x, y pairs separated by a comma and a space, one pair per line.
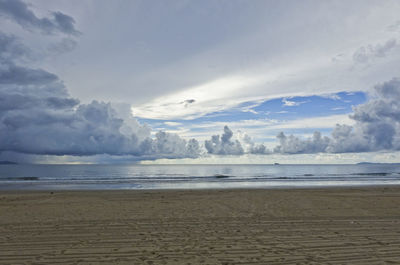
92, 177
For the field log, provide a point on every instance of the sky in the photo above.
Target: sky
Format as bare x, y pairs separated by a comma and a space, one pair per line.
211, 81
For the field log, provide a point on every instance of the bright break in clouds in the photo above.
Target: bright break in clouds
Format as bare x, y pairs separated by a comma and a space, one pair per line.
138, 80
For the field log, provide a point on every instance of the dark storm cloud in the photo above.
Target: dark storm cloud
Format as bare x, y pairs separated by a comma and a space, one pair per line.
59, 125
19, 12
89, 129
64, 23
37, 116
11, 49
17, 75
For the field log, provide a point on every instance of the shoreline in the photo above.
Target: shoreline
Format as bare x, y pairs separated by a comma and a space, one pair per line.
277, 187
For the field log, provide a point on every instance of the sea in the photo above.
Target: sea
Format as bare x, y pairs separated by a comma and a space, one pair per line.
147, 177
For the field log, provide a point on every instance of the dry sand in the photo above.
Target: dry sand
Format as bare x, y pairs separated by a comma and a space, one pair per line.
314, 226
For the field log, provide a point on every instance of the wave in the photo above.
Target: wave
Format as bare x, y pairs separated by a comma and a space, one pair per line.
22, 178
373, 174
160, 178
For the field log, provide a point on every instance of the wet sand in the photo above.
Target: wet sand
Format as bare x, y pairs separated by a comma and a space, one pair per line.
300, 226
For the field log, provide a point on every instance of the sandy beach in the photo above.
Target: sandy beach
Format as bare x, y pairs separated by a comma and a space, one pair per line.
300, 226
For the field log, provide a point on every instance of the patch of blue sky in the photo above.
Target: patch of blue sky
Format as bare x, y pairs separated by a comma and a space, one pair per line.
280, 109
312, 106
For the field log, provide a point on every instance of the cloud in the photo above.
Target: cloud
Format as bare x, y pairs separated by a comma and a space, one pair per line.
172, 123
65, 45
250, 147
187, 102
17, 75
223, 145
194, 102
19, 12
366, 53
288, 103
37, 116
59, 125
11, 49
394, 27
293, 145
169, 144
13, 75
379, 119
377, 127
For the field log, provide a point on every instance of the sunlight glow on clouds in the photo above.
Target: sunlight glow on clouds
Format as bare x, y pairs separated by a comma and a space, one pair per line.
199, 81
227, 92
176, 106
